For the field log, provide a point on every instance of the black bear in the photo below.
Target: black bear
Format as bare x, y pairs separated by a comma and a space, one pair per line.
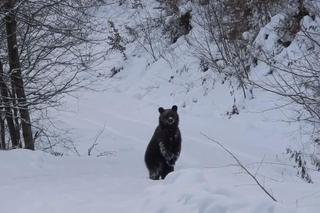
164, 147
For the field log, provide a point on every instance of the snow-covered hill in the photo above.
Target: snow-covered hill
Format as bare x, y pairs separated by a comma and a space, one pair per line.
206, 178
120, 122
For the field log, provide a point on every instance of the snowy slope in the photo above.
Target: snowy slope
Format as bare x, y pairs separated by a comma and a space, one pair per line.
121, 120
206, 179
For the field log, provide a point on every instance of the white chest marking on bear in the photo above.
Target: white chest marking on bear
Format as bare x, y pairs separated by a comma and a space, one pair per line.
170, 158
164, 152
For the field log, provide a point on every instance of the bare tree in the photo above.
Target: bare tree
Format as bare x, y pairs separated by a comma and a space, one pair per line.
15, 72
7, 110
50, 51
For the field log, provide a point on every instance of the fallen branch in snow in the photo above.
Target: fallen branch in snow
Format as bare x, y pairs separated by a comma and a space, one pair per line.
91, 148
95, 143
240, 164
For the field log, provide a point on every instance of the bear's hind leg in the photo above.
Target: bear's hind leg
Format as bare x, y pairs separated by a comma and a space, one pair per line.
166, 170
154, 174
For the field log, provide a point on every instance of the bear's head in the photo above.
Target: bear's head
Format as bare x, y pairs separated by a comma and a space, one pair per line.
169, 118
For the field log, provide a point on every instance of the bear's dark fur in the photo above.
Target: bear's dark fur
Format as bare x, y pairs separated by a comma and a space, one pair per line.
164, 147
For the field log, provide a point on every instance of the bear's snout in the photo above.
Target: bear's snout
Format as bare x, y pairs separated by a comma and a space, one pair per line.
170, 120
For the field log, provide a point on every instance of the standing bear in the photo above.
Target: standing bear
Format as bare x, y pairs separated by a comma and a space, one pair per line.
164, 147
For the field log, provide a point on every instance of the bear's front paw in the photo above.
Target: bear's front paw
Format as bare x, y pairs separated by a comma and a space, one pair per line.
171, 162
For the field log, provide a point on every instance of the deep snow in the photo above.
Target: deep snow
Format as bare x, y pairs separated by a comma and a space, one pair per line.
206, 178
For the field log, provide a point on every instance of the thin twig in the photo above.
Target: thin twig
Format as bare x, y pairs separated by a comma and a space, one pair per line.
240, 164
95, 143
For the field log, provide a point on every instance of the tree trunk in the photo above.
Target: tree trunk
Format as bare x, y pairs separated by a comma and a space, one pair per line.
2, 135
16, 76
9, 116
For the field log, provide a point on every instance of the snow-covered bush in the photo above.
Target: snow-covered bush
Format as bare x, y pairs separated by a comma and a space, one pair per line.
224, 34
290, 47
178, 26
116, 41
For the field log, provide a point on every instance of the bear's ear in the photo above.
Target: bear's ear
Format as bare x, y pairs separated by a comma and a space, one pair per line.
161, 110
174, 108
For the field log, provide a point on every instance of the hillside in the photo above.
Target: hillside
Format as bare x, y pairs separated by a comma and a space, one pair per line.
117, 119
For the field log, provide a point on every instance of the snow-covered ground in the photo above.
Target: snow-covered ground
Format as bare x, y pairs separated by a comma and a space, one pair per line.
121, 121
206, 178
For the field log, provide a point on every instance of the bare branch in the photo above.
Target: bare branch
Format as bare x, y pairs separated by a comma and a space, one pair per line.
96, 138
241, 165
